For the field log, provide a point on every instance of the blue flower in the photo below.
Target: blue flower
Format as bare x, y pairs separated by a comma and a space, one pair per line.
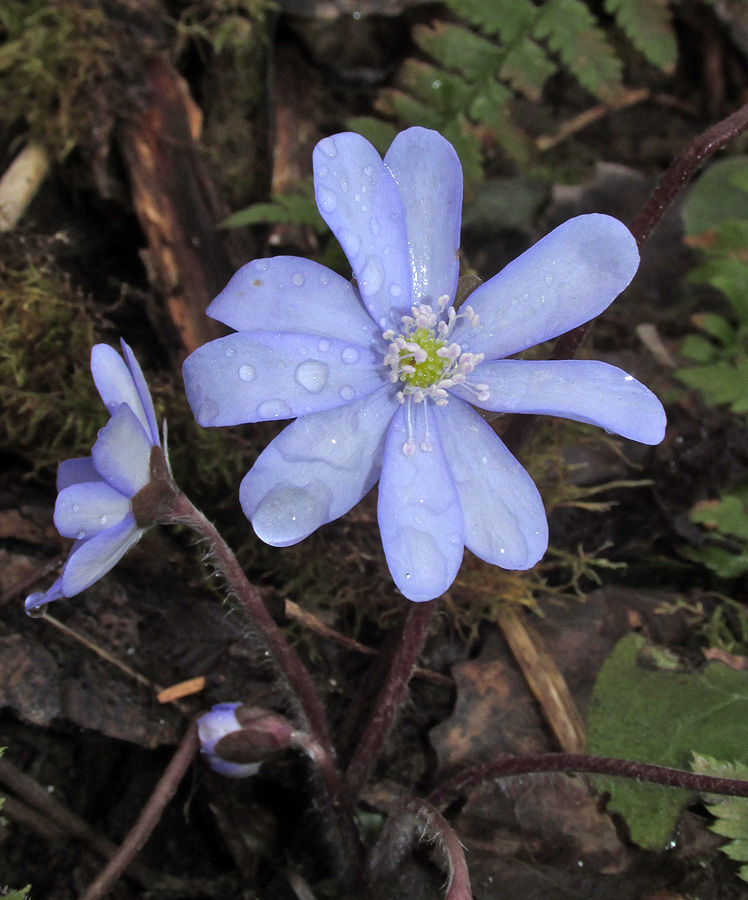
94, 504
382, 375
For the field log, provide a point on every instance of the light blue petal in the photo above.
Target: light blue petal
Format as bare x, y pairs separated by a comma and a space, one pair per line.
564, 280
505, 522
76, 471
122, 454
360, 201
85, 510
579, 389
428, 172
40, 598
115, 384
287, 293
419, 513
255, 376
317, 469
144, 395
92, 559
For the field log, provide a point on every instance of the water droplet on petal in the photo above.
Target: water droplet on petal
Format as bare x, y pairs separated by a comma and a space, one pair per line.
327, 200
371, 276
298, 279
312, 375
260, 265
357, 197
324, 345
368, 171
103, 520
484, 459
323, 171
81, 534
327, 146
349, 355
230, 351
324, 278
74, 507
207, 413
347, 392
350, 242
375, 226
247, 373
395, 290
549, 278
274, 409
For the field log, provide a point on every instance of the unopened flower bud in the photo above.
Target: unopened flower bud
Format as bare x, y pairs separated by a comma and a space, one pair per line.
235, 739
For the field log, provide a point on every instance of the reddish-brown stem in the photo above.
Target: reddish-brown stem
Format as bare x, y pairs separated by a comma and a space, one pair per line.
409, 645
416, 821
149, 816
301, 690
579, 762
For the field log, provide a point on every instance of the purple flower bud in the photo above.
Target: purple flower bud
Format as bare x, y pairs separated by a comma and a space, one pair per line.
235, 739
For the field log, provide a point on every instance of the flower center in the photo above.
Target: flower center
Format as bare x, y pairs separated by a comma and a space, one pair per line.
427, 365
424, 361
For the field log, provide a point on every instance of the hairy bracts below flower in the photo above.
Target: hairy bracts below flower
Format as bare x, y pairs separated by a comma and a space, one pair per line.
381, 376
94, 503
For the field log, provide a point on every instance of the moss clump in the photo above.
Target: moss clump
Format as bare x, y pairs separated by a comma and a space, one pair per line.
65, 68
51, 408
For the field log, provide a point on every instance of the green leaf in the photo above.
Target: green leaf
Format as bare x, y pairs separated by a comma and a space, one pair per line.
731, 813
723, 562
716, 197
459, 49
729, 515
647, 715
648, 25
296, 208
570, 30
698, 349
717, 326
17, 895
509, 19
527, 68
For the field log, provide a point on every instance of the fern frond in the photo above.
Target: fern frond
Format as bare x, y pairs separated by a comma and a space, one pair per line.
459, 49
571, 31
527, 68
509, 19
648, 25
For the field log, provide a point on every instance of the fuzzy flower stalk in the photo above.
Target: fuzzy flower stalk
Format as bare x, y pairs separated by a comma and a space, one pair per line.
382, 374
96, 499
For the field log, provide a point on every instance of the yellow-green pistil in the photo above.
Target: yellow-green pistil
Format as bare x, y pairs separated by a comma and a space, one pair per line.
430, 370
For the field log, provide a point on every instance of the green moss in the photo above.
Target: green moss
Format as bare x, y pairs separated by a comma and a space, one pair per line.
49, 400
64, 67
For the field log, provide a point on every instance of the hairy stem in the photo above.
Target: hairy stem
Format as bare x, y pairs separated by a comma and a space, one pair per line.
409, 645
417, 821
579, 762
301, 690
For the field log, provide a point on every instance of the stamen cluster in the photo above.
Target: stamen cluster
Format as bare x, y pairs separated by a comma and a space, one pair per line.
423, 359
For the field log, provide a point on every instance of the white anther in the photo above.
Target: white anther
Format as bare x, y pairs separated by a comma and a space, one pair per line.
409, 448
427, 446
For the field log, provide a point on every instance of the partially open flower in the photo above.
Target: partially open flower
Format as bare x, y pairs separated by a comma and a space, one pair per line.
94, 503
382, 376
